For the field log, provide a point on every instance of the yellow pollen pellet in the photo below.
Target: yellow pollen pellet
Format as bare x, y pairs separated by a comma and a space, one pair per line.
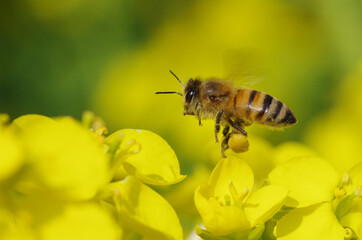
238, 143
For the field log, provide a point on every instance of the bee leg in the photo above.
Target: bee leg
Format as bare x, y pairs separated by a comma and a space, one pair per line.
226, 130
224, 144
197, 110
237, 127
217, 123
200, 124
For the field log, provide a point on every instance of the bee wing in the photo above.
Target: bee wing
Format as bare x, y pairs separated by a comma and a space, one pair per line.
244, 68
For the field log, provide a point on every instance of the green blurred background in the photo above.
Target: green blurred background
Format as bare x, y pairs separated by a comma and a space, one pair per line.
110, 57
61, 58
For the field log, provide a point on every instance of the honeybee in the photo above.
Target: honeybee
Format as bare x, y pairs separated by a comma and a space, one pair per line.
233, 108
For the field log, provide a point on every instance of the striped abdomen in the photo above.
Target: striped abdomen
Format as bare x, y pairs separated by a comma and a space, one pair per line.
255, 106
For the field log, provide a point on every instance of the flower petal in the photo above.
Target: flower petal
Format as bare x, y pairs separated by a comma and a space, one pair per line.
145, 211
156, 162
309, 179
86, 221
12, 229
258, 157
218, 219
11, 155
313, 222
63, 156
231, 170
28, 121
290, 150
264, 203
353, 221
219, 202
356, 174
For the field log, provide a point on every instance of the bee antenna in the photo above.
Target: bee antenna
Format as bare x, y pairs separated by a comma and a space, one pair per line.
177, 78
169, 93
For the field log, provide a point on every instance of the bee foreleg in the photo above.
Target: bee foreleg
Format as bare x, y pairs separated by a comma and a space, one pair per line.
237, 127
217, 124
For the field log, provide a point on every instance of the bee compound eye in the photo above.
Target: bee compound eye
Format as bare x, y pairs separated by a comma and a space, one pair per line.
212, 98
189, 95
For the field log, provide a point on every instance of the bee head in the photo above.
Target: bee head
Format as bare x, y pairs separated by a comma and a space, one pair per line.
191, 96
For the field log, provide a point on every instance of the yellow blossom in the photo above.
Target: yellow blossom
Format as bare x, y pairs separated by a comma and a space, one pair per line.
326, 204
312, 179
143, 211
86, 221
290, 150
315, 222
154, 161
259, 157
57, 181
62, 156
11, 154
227, 203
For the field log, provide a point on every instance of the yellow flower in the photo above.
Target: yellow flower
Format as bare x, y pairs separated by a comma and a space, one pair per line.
85, 221
137, 157
51, 220
48, 193
226, 203
62, 156
325, 204
289, 150
259, 157
11, 154
153, 161
353, 217
56, 172
142, 210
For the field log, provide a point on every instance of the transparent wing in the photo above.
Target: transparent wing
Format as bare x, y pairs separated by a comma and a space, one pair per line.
244, 68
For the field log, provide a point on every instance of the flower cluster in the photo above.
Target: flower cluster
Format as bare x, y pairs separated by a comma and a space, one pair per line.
62, 179
303, 198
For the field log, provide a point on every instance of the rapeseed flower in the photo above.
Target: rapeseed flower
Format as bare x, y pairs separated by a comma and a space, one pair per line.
11, 154
326, 205
60, 180
48, 195
162, 170
143, 211
228, 204
58, 152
